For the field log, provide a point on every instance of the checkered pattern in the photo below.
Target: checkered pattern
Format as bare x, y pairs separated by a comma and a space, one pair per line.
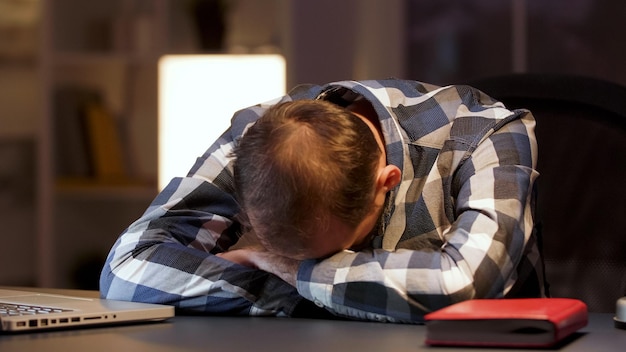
458, 226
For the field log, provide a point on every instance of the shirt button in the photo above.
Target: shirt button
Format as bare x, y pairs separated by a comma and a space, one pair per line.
318, 303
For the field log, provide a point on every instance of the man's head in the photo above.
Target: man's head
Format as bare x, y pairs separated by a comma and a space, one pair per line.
308, 177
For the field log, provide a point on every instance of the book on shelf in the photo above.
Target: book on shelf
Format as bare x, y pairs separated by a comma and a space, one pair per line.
105, 143
71, 151
516, 322
89, 148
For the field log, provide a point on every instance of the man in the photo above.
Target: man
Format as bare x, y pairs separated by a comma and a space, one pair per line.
376, 200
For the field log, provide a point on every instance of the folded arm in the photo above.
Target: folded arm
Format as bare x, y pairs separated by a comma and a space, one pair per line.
167, 257
169, 254
475, 257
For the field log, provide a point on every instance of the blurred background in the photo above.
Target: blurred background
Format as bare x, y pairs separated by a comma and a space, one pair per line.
73, 72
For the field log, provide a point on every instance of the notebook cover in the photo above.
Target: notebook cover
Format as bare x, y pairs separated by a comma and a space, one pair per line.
520, 322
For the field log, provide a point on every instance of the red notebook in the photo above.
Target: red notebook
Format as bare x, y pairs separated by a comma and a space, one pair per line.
518, 322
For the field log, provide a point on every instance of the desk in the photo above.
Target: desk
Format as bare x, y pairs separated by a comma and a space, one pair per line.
206, 333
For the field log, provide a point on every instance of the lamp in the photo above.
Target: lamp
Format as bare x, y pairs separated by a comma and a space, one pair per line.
198, 95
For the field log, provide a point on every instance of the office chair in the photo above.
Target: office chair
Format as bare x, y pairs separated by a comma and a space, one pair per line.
581, 190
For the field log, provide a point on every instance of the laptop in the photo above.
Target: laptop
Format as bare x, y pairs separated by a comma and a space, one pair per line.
25, 310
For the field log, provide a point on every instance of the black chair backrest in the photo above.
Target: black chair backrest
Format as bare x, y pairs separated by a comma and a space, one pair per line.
581, 199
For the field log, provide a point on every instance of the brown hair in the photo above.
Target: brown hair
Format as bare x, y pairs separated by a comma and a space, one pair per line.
298, 165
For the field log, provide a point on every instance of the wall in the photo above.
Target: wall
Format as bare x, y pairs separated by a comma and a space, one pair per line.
452, 41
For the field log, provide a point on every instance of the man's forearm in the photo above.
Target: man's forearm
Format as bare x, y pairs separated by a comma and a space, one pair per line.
283, 267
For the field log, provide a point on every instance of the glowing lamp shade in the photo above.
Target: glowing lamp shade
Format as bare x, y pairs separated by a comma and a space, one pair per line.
198, 95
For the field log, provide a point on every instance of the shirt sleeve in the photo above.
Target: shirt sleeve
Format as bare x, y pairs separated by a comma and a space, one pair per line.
476, 257
168, 255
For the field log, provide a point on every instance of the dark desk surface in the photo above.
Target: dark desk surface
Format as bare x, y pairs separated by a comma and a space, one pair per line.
203, 333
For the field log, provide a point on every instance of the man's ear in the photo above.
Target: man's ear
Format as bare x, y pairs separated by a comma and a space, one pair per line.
388, 178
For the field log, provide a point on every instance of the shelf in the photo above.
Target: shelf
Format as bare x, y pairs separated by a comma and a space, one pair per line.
89, 59
30, 62
97, 163
92, 189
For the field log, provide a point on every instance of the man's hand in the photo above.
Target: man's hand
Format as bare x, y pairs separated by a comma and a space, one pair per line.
283, 267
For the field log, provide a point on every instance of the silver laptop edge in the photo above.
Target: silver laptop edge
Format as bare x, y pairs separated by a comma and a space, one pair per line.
70, 311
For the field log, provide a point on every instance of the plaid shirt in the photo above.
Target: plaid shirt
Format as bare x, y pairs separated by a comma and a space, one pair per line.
458, 226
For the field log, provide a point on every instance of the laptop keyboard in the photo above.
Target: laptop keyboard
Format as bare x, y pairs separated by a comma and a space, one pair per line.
9, 309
